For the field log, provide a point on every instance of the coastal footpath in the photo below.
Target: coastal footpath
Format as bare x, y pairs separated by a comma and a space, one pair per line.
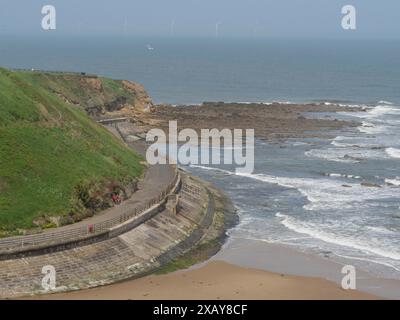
166, 215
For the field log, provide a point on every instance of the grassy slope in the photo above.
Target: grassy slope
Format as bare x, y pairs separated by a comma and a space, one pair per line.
48, 147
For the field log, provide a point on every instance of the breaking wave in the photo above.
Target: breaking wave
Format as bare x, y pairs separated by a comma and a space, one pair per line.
315, 232
393, 152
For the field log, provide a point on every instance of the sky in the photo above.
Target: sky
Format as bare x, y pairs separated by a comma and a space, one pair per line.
201, 18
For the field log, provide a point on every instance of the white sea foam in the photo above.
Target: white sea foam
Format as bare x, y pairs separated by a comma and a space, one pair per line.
299, 143
395, 182
381, 109
267, 103
326, 236
356, 143
337, 155
325, 194
340, 175
354, 153
386, 264
381, 230
393, 152
344, 105
344, 140
336, 143
322, 194
212, 168
374, 113
370, 128
385, 102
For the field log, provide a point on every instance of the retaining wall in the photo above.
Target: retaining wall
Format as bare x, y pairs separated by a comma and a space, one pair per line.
134, 253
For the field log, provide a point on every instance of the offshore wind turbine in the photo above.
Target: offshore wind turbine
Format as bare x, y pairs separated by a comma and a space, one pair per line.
79, 27
255, 32
125, 26
255, 29
217, 29
172, 30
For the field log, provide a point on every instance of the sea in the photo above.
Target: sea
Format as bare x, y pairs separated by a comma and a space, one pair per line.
340, 196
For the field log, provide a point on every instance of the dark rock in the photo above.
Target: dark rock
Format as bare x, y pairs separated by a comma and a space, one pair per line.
370, 184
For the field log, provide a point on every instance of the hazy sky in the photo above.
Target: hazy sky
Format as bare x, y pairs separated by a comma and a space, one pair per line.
241, 18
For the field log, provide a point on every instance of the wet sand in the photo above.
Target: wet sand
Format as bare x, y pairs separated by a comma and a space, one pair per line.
279, 258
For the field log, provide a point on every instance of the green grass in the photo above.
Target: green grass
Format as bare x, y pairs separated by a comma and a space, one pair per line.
48, 147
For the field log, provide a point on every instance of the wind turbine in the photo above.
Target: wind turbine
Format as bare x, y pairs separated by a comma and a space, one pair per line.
125, 26
173, 28
255, 29
217, 29
79, 27
255, 32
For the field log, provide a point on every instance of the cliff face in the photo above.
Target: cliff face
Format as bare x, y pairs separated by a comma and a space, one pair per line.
143, 101
96, 95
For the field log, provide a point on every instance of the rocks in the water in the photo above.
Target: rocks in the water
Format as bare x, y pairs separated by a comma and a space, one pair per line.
347, 157
378, 147
370, 184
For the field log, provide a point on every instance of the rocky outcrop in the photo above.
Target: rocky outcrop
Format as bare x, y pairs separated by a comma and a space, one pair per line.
95, 83
370, 184
143, 101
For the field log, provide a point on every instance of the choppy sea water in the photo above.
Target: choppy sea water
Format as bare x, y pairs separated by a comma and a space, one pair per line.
338, 197
183, 71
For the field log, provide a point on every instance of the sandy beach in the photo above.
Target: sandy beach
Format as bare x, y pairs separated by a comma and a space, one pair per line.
217, 280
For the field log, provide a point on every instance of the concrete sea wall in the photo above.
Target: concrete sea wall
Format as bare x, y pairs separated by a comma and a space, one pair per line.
134, 253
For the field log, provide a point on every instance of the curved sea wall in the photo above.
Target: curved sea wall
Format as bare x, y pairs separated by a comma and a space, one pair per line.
134, 253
